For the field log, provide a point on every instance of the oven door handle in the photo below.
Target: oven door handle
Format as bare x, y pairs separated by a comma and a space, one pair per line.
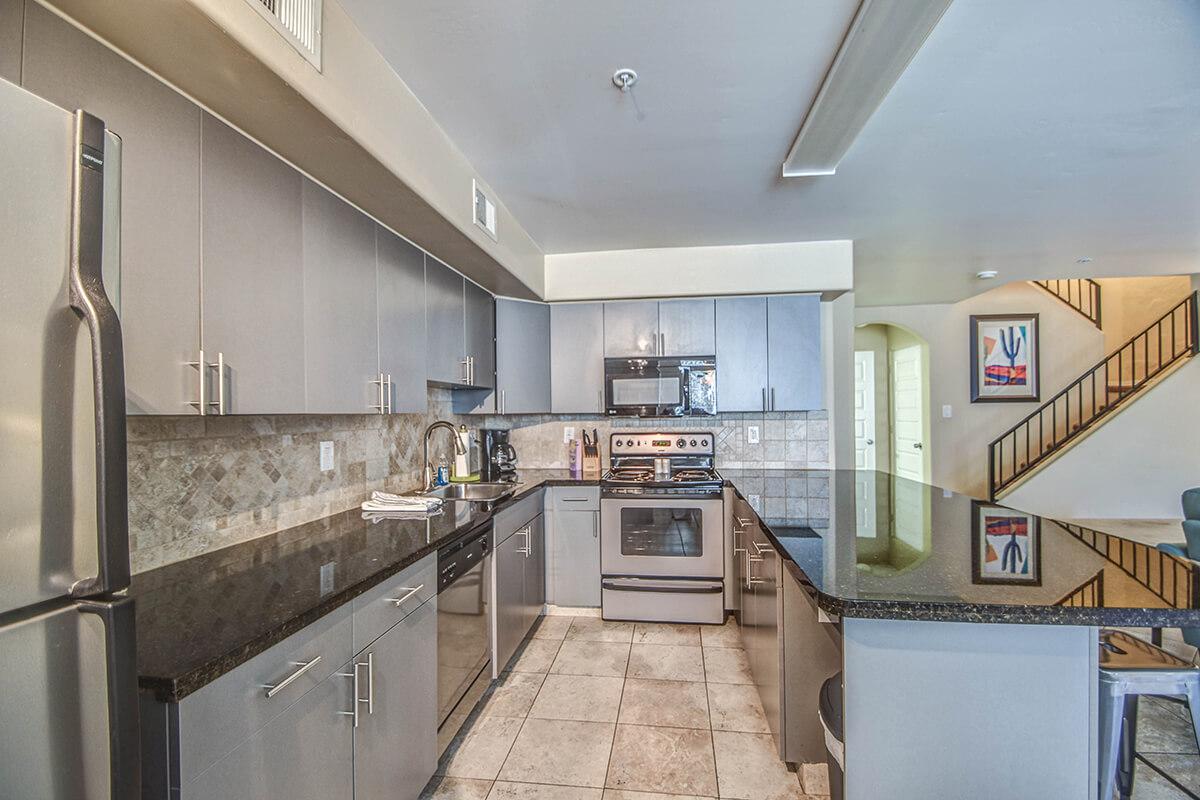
665, 587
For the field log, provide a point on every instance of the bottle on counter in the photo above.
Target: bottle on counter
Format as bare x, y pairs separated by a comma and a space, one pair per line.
443, 474
575, 458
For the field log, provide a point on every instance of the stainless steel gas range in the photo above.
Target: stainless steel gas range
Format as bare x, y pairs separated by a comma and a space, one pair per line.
661, 522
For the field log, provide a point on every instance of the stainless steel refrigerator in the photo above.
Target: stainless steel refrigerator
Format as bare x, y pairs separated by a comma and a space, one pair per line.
68, 682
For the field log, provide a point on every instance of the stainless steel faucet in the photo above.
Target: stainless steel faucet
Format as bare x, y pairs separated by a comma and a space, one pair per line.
458, 448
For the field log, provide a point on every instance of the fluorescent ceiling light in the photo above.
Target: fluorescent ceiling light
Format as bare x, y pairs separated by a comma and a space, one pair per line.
882, 39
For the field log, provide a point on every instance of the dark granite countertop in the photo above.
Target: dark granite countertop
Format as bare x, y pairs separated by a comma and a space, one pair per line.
198, 619
870, 544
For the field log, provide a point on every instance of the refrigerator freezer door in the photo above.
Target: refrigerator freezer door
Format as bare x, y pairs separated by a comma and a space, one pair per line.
62, 426
68, 699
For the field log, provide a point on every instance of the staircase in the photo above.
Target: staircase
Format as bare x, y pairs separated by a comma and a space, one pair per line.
1121, 376
1081, 294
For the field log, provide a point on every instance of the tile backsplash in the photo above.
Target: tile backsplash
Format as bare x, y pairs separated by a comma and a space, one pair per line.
201, 483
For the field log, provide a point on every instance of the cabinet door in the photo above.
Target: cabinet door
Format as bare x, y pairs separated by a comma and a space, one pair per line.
741, 349
160, 199
509, 560
631, 328
253, 278
574, 567
687, 327
535, 572
794, 353
341, 334
400, 296
395, 744
481, 335
306, 753
523, 357
445, 331
577, 358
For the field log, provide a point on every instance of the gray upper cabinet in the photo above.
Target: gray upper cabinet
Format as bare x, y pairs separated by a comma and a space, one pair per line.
686, 328
400, 297
445, 332
480, 324
522, 357
577, 358
253, 281
341, 358
741, 350
794, 353
160, 198
631, 328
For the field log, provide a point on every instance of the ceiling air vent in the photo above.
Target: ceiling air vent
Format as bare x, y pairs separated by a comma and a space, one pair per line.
485, 210
298, 21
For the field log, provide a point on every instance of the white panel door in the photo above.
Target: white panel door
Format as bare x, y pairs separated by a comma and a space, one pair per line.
908, 411
864, 409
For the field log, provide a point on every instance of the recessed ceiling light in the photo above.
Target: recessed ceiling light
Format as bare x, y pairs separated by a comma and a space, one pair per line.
1083, 260
986, 274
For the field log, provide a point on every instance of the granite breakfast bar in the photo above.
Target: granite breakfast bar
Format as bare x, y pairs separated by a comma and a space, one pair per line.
936, 651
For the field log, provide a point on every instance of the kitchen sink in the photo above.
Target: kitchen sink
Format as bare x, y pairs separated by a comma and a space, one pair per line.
474, 492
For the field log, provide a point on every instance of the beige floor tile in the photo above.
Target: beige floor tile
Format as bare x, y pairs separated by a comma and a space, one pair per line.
727, 635
553, 627
507, 790
580, 697
676, 704
726, 665
666, 662
736, 707
606, 659
513, 694
617, 794
814, 778
594, 629
482, 751
456, 789
562, 752
748, 768
537, 656
662, 760
661, 633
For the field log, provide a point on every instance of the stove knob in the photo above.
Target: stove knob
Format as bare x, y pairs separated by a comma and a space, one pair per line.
680, 443
704, 442
629, 442
617, 443
692, 442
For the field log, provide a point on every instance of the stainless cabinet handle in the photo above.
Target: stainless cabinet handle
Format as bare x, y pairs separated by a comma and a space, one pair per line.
371, 683
466, 369
381, 406
408, 594
220, 404
358, 700
391, 390
662, 344
600, 401
502, 401
750, 581
527, 550
202, 366
764, 392
574, 499
743, 521
305, 666
595, 524
761, 548
772, 398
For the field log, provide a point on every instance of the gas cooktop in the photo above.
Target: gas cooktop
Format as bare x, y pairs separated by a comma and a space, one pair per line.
670, 462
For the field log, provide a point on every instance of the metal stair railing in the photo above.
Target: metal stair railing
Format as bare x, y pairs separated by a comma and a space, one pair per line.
1081, 294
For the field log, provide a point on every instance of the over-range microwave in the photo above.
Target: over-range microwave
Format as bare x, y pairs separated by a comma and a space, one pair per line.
660, 386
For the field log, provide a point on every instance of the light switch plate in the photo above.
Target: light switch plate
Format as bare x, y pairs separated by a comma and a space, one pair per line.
751, 434
568, 434
326, 456
947, 412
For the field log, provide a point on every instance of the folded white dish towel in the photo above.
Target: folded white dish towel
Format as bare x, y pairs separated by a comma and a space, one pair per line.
375, 517
384, 501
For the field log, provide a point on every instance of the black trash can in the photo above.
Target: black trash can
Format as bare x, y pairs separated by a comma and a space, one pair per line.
830, 709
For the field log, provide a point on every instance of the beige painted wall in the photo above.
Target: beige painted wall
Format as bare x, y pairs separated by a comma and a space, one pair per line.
958, 445
699, 271
1132, 467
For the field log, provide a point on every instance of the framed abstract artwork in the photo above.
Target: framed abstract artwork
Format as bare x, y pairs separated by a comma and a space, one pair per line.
1004, 358
1006, 546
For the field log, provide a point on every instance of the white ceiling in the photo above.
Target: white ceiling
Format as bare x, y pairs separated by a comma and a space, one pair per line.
1025, 133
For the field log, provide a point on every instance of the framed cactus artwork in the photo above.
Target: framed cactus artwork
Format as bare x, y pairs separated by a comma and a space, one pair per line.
1006, 546
1004, 358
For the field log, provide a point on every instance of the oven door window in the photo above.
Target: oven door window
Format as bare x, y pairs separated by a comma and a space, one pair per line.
662, 532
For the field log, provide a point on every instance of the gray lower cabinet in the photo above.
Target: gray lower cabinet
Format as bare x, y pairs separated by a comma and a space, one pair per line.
534, 594
445, 332
577, 358
573, 546
253, 281
522, 357
686, 327
395, 743
341, 334
631, 328
794, 353
509, 607
741, 350
400, 298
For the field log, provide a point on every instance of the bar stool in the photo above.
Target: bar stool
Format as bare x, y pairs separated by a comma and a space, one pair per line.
1130, 667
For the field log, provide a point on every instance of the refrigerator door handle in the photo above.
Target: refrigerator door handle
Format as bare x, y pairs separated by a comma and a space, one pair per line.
124, 746
90, 302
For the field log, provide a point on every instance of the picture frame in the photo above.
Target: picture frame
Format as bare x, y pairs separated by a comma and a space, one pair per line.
1005, 358
1006, 546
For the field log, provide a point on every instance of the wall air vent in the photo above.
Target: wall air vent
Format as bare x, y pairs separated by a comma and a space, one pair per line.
298, 21
484, 210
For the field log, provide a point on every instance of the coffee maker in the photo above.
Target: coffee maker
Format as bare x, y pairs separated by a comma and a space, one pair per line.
498, 461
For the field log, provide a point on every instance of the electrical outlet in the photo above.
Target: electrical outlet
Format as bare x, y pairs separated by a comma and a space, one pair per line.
568, 434
947, 412
326, 456
327, 578
751, 434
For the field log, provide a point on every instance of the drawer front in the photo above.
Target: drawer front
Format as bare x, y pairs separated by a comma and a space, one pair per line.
376, 611
511, 519
574, 498
218, 717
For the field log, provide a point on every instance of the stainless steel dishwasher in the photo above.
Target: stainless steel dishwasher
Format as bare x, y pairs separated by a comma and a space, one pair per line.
463, 625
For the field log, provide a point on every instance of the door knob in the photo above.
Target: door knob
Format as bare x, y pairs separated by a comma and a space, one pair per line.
917, 445
870, 441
